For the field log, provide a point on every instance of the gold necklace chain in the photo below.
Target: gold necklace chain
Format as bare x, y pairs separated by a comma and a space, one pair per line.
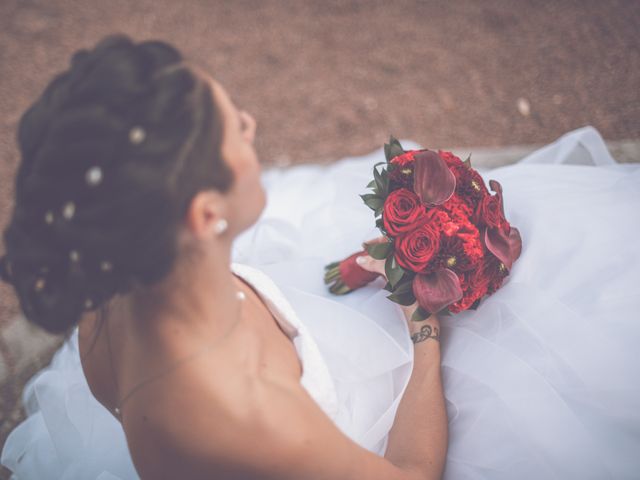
117, 411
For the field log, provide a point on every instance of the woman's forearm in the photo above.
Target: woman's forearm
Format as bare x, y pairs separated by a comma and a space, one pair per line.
419, 436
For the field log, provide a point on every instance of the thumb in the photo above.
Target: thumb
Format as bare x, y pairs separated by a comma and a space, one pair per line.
367, 262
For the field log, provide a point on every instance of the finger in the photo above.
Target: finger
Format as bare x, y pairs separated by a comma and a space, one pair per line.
367, 262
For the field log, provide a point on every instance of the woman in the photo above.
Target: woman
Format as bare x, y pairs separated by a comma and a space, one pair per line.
129, 200
538, 382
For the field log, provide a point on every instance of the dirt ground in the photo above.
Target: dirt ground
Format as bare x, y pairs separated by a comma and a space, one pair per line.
328, 79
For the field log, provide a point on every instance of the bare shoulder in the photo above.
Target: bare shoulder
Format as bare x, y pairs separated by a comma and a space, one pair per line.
277, 431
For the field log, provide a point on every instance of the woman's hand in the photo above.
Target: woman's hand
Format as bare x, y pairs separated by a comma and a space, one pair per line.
367, 262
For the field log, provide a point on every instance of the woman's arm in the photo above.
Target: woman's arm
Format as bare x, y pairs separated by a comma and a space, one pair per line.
284, 436
419, 435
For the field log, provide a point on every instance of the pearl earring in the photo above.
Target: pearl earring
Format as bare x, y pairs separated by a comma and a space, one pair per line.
221, 226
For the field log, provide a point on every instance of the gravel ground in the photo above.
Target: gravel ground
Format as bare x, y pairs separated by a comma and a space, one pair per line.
334, 78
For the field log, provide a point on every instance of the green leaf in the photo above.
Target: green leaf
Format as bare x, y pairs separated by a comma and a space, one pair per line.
379, 251
387, 152
395, 148
393, 271
371, 184
372, 201
378, 179
420, 314
405, 299
384, 181
404, 286
379, 163
378, 211
467, 162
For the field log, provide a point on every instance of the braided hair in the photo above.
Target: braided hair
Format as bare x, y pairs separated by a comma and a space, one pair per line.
112, 152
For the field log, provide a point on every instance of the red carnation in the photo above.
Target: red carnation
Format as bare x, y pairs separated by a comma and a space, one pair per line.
406, 159
450, 158
474, 286
495, 272
401, 176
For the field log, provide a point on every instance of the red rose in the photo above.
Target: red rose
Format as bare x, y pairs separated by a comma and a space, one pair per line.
401, 211
414, 250
489, 212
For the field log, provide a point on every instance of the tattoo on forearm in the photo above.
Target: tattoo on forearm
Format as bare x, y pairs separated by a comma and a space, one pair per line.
426, 331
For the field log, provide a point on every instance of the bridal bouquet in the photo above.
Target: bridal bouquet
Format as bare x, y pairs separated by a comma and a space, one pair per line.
446, 243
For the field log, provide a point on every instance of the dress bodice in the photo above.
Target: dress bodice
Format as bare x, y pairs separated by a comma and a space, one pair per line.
315, 378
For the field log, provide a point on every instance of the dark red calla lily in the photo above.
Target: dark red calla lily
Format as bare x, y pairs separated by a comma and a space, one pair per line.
496, 187
437, 290
433, 181
507, 247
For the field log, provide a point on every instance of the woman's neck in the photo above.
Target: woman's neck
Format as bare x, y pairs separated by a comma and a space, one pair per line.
196, 300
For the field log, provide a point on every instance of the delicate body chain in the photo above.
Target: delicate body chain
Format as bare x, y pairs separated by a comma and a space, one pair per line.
118, 408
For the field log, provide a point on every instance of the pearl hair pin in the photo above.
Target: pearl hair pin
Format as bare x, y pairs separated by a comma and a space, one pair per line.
39, 285
137, 135
106, 266
94, 176
68, 210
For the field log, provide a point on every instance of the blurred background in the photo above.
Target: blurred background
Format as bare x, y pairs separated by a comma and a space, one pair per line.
327, 79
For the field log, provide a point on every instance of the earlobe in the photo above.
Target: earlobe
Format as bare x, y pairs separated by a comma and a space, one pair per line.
203, 216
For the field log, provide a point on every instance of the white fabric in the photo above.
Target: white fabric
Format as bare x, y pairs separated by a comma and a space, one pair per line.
540, 382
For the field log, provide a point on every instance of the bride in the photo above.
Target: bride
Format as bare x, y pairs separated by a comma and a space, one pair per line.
201, 341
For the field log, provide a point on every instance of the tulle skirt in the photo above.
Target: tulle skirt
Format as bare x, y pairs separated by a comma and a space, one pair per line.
541, 381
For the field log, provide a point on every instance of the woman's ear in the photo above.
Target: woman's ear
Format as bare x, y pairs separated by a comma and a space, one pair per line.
205, 209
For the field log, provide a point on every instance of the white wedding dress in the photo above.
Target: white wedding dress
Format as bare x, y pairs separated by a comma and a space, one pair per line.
541, 381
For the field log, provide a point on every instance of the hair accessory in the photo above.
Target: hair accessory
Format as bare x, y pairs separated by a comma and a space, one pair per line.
74, 255
94, 176
106, 266
88, 303
68, 210
39, 285
221, 226
48, 217
136, 135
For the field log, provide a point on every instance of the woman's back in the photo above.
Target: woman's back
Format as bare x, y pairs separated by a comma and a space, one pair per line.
116, 363
235, 410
